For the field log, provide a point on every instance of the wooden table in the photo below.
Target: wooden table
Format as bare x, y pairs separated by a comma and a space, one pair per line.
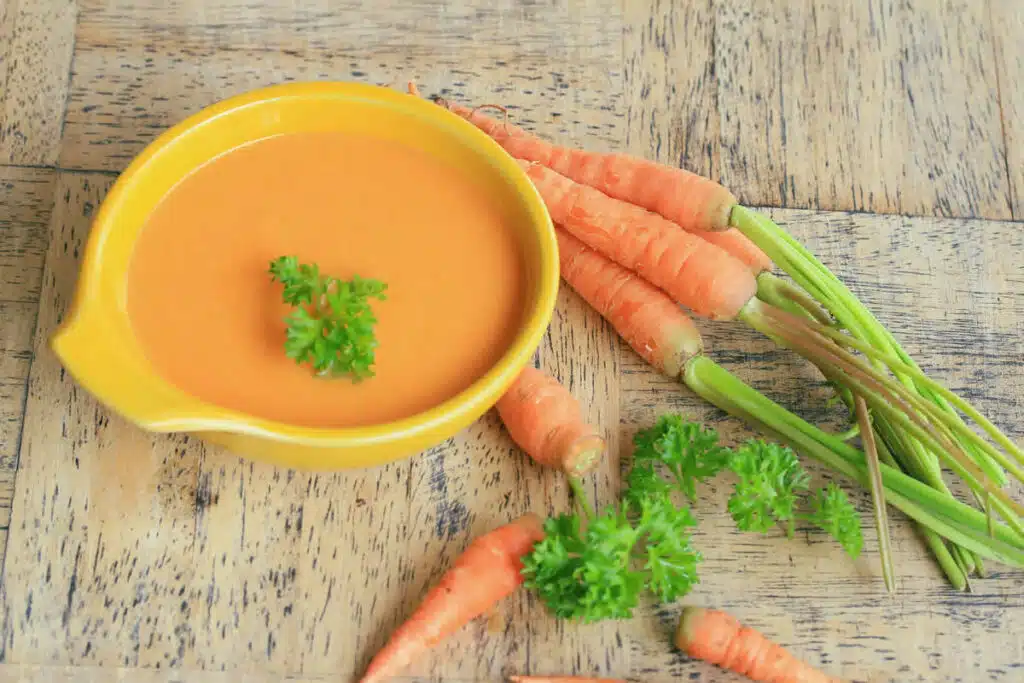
889, 136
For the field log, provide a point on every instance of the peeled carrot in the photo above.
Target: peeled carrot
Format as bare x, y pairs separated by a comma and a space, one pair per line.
487, 572
643, 315
719, 638
545, 420
564, 679
740, 247
692, 201
697, 274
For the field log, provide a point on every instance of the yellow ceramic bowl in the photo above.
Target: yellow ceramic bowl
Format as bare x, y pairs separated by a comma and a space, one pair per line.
96, 343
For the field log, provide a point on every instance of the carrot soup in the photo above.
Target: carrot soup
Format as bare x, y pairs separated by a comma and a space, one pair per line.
211, 320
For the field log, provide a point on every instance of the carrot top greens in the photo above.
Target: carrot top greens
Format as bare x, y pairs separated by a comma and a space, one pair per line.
332, 324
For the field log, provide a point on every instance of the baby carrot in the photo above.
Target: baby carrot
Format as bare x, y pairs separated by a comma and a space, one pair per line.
643, 315
720, 639
740, 247
487, 572
698, 275
545, 420
692, 201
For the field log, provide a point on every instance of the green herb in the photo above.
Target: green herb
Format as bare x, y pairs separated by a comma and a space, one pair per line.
689, 451
601, 571
833, 512
769, 477
332, 325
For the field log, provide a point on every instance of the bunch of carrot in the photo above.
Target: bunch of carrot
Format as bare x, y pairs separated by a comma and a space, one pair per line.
638, 239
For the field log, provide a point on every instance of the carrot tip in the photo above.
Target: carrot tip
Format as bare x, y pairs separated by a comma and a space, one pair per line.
584, 456
687, 623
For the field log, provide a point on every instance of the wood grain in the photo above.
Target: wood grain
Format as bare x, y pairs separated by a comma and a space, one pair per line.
881, 106
1007, 17
555, 66
36, 45
26, 196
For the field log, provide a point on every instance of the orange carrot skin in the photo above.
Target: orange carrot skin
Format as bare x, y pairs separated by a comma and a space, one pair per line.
564, 679
486, 572
719, 638
695, 203
644, 316
740, 247
546, 421
697, 274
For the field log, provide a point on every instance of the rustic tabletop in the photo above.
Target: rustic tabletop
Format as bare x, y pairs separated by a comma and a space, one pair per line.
889, 136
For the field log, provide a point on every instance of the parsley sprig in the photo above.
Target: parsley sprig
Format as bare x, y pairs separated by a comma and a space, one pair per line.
768, 492
332, 326
687, 450
600, 571
592, 566
769, 478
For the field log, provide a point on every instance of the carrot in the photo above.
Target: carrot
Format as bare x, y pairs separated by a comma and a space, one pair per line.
486, 572
564, 679
740, 247
695, 203
642, 314
697, 274
545, 420
719, 638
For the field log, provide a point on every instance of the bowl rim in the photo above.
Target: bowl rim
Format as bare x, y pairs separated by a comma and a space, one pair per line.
463, 407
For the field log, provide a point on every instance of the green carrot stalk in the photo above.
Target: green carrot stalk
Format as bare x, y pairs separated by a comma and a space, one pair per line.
662, 334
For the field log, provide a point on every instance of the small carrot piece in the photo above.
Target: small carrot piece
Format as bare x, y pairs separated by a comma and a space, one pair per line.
740, 247
697, 274
486, 572
643, 315
545, 420
695, 203
719, 638
564, 679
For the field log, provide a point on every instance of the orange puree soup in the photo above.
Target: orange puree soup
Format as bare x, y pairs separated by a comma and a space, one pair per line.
208, 316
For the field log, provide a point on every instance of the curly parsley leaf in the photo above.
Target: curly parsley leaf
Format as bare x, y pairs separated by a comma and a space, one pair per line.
332, 326
833, 512
586, 575
671, 560
601, 572
769, 478
689, 451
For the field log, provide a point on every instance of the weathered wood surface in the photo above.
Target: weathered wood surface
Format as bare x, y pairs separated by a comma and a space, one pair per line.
36, 43
131, 552
26, 195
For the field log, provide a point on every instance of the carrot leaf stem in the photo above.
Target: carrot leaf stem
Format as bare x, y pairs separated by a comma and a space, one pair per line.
877, 495
897, 364
946, 516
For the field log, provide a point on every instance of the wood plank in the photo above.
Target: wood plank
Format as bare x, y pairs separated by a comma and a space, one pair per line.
37, 39
955, 309
556, 66
26, 196
672, 113
1007, 18
880, 106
